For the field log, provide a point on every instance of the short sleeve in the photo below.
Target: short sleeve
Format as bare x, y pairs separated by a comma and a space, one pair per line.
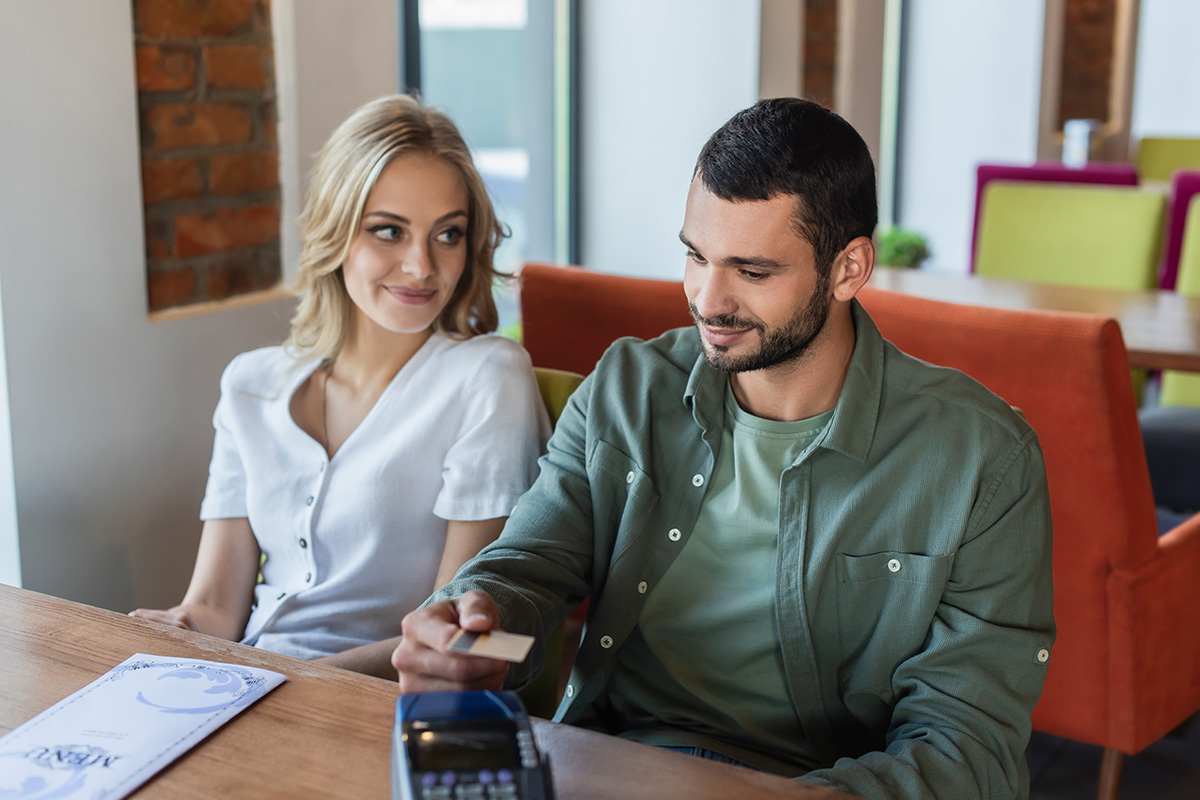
225, 494
492, 460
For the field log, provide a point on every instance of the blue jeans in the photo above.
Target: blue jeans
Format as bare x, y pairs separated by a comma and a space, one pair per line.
701, 752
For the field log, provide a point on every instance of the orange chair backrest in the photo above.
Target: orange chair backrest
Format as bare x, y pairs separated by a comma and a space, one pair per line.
570, 315
1069, 374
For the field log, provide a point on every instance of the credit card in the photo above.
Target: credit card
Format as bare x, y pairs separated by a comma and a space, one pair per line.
493, 644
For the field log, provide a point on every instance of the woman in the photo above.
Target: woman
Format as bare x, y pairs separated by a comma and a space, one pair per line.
385, 443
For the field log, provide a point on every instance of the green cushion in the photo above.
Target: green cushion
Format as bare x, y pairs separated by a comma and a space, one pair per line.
1183, 388
1159, 157
1073, 235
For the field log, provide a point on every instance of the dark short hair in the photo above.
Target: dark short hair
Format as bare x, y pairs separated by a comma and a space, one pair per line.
797, 147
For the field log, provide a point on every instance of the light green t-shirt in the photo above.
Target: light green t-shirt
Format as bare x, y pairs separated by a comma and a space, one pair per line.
705, 659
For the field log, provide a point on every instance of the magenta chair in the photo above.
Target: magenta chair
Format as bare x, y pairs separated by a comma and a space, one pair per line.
1184, 184
1114, 174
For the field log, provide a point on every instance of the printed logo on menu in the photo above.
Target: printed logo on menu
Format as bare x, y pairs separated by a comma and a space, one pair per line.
71, 756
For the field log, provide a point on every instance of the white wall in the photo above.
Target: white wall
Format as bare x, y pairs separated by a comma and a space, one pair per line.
328, 62
969, 88
110, 414
1166, 100
657, 77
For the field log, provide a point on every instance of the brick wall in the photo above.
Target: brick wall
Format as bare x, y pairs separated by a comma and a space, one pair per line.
1087, 59
210, 166
820, 50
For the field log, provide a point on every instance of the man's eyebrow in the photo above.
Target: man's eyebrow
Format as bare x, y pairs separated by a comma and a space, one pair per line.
760, 262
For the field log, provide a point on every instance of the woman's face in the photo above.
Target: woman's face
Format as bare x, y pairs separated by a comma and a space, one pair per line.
411, 246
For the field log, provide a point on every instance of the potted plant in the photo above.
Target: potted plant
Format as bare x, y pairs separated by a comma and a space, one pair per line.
900, 247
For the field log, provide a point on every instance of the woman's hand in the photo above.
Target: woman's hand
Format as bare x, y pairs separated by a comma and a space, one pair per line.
175, 617
219, 597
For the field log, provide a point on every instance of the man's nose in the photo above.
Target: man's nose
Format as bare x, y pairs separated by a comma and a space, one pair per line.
713, 296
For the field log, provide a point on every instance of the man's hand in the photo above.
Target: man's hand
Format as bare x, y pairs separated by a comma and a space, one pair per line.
175, 617
421, 659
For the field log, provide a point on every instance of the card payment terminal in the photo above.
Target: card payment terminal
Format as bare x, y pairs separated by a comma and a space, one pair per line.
466, 746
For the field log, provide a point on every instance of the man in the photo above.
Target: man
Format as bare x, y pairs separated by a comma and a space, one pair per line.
806, 551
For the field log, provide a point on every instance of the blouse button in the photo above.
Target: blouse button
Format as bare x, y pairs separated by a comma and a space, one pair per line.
281, 595
629, 477
894, 565
642, 587
308, 578
697, 480
674, 534
606, 642
308, 502
303, 543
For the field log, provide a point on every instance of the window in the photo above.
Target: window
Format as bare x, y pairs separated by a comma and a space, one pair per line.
504, 70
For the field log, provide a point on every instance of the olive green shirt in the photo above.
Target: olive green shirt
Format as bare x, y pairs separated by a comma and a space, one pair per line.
912, 577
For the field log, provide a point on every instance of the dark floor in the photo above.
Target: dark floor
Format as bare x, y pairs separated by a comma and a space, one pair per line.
1166, 770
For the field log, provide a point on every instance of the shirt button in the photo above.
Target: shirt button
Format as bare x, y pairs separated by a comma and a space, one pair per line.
894, 565
642, 587
308, 502
570, 690
697, 480
629, 477
1043, 655
674, 534
303, 543
606, 642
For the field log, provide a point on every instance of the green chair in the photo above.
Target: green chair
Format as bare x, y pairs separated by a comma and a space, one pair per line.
541, 695
1183, 388
1072, 235
1158, 157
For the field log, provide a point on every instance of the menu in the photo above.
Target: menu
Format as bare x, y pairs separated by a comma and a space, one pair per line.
112, 735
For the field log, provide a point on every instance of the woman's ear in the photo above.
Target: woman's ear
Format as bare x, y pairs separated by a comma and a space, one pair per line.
851, 268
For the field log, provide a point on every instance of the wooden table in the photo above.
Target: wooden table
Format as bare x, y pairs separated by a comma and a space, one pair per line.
324, 732
1161, 329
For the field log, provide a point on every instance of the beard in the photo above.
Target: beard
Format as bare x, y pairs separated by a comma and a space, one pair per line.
781, 345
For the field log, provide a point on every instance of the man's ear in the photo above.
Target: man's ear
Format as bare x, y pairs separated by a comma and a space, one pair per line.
851, 268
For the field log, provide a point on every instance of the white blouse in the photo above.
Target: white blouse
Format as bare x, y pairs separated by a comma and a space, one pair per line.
353, 543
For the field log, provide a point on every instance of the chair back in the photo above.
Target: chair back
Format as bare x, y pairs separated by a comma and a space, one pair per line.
1102, 172
1183, 388
556, 387
1184, 185
569, 315
1069, 374
1103, 236
1159, 156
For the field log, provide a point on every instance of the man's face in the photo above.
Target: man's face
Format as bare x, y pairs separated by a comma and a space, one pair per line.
751, 281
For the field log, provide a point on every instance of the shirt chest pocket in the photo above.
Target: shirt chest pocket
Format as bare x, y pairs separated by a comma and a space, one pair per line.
885, 604
623, 496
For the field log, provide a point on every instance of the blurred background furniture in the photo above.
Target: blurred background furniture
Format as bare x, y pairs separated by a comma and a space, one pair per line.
1124, 668
1184, 185
1071, 235
1159, 156
1101, 172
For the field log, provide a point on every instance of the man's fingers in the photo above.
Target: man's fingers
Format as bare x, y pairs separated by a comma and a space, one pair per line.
477, 612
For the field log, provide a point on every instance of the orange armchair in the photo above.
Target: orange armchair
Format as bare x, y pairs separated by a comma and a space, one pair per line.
570, 315
1126, 666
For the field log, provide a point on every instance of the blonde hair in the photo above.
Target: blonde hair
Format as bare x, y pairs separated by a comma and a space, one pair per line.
346, 171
